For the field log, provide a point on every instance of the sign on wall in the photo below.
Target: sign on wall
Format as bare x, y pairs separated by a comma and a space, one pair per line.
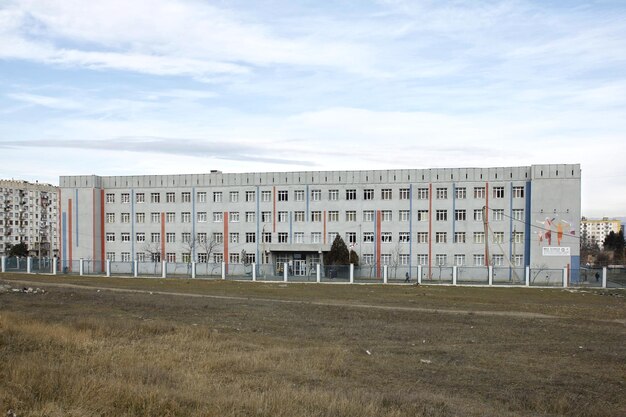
556, 251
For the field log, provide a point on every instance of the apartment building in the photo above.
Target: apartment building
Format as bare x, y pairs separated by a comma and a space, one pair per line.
29, 215
593, 231
515, 216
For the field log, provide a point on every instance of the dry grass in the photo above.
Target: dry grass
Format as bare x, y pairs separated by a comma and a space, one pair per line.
79, 352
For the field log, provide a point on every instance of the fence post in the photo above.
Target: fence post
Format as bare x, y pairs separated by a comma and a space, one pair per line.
193, 269
384, 274
135, 268
54, 265
3, 267
564, 277
419, 274
81, 268
108, 271
527, 275
604, 276
163, 269
454, 274
351, 273
223, 270
29, 263
253, 272
285, 271
318, 274
490, 269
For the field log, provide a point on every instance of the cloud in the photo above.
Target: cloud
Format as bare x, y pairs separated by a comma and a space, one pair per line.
45, 101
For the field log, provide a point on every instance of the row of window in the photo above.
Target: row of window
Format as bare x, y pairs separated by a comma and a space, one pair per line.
234, 258
441, 193
316, 216
315, 237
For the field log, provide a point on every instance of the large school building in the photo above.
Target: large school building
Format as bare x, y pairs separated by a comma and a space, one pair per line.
503, 217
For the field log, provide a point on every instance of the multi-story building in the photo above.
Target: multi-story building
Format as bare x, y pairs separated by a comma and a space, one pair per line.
29, 216
517, 216
593, 231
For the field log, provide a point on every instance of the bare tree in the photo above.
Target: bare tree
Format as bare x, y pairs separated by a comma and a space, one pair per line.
208, 247
153, 249
395, 258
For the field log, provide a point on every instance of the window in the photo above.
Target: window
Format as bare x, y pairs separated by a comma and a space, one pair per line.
518, 214
202, 237
202, 218
170, 197
283, 237
298, 237
404, 194
386, 194
266, 216
459, 260
498, 237
368, 236
250, 216
316, 195
201, 197
422, 193
125, 218
233, 237
298, 195
266, 196
333, 216
368, 194
266, 237
441, 215
518, 237
479, 192
233, 217
518, 192
250, 237
368, 258
498, 260
422, 215
478, 215
404, 237
333, 195
110, 217
217, 196
186, 237
350, 194
479, 260
351, 238
422, 259
155, 237
403, 259
386, 215
460, 193
187, 257
422, 237
110, 198
498, 214
170, 257
234, 196
441, 259
218, 237
250, 196
385, 237
316, 237
385, 258
110, 237
350, 216
140, 237
111, 256
498, 192
170, 237
316, 216
404, 215
479, 237
141, 256
518, 260
283, 195
250, 258
185, 217
459, 237
155, 197
218, 258
170, 217
441, 237
442, 193
368, 215
125, 256
283, 216
185, 197
218, 216
460, 215
155, 257
125, 237
140, 198
125, 197
203, 258
233, 258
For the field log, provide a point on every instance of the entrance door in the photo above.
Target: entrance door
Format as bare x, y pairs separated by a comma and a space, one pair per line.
299, 267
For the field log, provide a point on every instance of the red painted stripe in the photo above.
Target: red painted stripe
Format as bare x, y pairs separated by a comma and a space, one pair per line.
379, 218
94, 226
226, 240
59, 225
163, 236
102, 241
486, 221
430, 230
274, 212
69, 227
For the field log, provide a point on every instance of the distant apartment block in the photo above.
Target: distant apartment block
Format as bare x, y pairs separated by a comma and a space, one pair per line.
593, 231
29, 215
501, 217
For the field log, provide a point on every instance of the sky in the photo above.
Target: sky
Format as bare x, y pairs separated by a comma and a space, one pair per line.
137, 87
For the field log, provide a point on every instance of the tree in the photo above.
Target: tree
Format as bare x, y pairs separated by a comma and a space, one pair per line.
615, 242
21, 249
354, 258
338, 254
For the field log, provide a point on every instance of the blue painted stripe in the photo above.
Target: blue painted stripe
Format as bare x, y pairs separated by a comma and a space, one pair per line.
527, 216
511, 260
258, 236
453, 210
132, 224
410, 230
307, 204
193, 241
290, 228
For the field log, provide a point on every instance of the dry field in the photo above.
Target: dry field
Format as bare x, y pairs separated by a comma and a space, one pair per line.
152, 347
